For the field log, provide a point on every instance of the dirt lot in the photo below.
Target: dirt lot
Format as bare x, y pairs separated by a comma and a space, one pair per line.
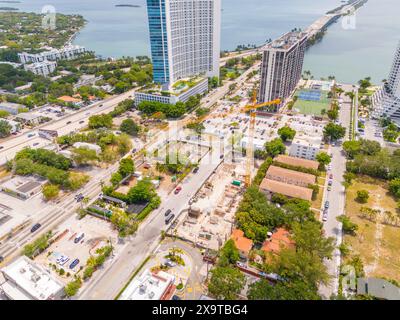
377, 243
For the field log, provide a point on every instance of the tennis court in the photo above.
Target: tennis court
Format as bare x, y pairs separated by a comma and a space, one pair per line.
312, 102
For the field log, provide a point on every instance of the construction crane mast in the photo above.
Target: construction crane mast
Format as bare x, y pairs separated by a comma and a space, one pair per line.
252, 108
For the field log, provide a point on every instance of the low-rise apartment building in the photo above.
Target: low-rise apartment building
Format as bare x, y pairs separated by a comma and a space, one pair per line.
305, 146
44, 68
290, 176
66, 53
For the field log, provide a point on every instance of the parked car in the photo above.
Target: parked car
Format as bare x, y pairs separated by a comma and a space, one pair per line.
196, 170
1, 147
74, 264
36, 144
69, 122
330, 182
63, 260
331, 176
167, 212
169, 219
170, 263
178, 189
325, 217
79, 238
36, 227
326, 204
329, 188
82, 121
1, 259
30, 135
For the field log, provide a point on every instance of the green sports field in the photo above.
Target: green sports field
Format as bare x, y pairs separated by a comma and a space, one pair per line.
312, 107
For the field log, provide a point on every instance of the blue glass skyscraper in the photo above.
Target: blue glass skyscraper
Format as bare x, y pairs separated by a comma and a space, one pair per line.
184, 38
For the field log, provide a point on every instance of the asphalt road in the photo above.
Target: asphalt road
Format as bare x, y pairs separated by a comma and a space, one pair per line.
107, 283
336, 198
66, 125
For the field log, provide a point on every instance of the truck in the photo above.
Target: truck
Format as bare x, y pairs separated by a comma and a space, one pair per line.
236, 183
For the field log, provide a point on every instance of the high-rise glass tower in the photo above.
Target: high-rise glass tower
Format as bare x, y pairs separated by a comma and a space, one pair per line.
184, 38
391, 91
282, 66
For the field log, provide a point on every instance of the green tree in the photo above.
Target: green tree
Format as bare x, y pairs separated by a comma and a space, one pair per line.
275, 147
72, 287
334, 131
130, 127
293, 290
126, 167
5, 129
286, 133
323, 158
333, 114
100, 121
50, 191
348, 225
226, 283
362, 196
394, 187
142, 192
229, 254
83, 156
4, 114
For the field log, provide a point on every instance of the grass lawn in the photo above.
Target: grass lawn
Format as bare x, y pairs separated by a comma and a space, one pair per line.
377, 244
312, 107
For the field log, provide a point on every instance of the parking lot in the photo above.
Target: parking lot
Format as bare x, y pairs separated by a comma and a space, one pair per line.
76, 239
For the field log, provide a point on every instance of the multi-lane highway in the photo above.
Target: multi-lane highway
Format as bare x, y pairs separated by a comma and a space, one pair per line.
65, 125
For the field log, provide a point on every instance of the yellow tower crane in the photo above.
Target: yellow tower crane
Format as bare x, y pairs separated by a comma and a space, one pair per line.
252, 108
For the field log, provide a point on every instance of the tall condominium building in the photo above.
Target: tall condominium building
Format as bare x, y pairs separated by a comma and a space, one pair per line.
282, 66
184, 38
388, 97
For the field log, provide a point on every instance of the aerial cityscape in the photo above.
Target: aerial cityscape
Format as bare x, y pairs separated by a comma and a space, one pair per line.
162, 150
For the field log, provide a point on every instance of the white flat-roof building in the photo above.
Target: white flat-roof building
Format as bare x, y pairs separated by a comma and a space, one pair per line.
25, 280
41, 68
85, 145
305, 146
66, 53
149, 286
29, 118
22, 187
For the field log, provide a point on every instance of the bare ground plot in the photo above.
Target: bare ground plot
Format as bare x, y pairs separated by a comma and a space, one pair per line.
376, 242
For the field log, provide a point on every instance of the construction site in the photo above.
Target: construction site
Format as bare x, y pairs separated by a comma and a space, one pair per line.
209, 220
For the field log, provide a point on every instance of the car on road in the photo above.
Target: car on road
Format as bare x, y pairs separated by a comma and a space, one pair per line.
196, 170
100, 105
36, 227
79, 238
1, 147
325, 217
331, 176
1, 259
330, 182
74, 263
36, 144
167, 212
178, 189
30, 135
326, 204
82, 121
329, 188
170, 263
169, 219
69, 122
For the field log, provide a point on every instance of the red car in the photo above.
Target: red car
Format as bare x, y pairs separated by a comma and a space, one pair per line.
331, 176
177, 190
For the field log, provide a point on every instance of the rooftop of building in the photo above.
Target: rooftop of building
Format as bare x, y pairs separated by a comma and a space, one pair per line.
11, 105
28, 116
286, 41
176, 89
291, 174
69, 99
307, 140
279, 239
286, 189
149, 286
32, 278
241, 242
23, 184
297, 162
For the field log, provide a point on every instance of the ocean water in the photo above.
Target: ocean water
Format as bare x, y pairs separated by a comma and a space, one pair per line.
348, 54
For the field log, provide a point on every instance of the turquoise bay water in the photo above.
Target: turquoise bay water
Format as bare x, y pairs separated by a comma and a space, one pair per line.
348, 54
